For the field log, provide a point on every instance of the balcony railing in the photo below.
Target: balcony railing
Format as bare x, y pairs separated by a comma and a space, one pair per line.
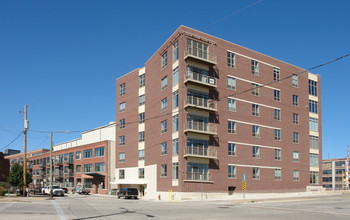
58, 174
69, 161
201, 103
200, 127
200, 54
202, 152
69, 174
58, 162
198, 177
200, 78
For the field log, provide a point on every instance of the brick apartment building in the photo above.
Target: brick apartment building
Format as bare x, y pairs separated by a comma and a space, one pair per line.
333, 174
4, 168
88, 161
209, 111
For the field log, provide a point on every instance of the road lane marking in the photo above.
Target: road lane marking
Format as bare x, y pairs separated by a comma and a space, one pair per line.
59, 211
2, 208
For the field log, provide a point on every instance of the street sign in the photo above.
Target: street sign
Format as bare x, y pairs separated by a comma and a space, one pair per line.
243, 185
244, 177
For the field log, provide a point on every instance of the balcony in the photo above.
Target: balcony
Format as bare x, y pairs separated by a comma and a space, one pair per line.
200, 152
200, 127
68, 174
200, 103
58, 162
58, 174
200, 79
69, 161
200, 54
198, 177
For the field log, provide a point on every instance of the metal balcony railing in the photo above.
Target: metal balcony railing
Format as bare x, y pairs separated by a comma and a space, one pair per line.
203, 152
69, 161
69, 174
200, 54
201, 103
200, 78
197, 176
200, 127
58, 162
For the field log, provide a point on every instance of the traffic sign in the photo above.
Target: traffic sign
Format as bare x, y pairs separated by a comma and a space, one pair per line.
244, 177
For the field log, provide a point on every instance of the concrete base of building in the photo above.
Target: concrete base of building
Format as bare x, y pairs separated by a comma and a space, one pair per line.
315, 189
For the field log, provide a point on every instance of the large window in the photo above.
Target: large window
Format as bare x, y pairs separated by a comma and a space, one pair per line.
141, 136
122, 107
175, 51
175, 146
99, 167
78, 168
175, 99
197, 49
141, 154
277, 114
276, 74
99, 152
231, 127
231, 171
278, 174
255, 131
295, 118
313, 177
78, 155
255, 67
164, 83
295, 137
231, 83
313, 124
176, 76
88, 153
164, 104
312, 88
256, 152
175, 123
164, 148
255, 110
296, 175
231, 104
122, 123
163, 170
175, 171
313, 106
164, 126
277, 134
313, 160
231, 149
142, 80
231, 59
295, 100
88, 168
295, 81
141, 100
277, 154
88, 183
122, 89
121, 140
277, 95
256, 173
313, 142
121, 157
164, 59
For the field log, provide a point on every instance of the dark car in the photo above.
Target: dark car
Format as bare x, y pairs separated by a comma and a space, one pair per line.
128, 193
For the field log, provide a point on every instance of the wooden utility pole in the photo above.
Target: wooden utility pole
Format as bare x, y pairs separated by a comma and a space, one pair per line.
26, 123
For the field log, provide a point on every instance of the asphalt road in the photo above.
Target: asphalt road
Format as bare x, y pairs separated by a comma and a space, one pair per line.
331, 206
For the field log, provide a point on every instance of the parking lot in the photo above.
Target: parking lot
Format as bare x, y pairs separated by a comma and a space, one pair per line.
331, 206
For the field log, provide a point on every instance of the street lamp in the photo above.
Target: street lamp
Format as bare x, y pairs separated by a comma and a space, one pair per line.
51, 175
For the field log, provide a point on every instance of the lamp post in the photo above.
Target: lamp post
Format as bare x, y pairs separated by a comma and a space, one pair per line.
51, 170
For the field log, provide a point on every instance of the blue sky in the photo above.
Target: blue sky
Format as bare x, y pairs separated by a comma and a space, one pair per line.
62, 57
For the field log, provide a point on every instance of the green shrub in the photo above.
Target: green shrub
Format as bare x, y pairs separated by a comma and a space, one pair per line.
2, 191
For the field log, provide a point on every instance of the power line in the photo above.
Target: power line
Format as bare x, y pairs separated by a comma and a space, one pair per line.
19, 135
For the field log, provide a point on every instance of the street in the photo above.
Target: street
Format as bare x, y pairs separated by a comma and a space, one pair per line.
330, 206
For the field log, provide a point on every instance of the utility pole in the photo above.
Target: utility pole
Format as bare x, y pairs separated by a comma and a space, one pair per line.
51, 172
26, 125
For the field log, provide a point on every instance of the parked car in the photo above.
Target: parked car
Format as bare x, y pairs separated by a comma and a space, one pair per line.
128, 193
80, 190
43, 190
65, 190
56, 191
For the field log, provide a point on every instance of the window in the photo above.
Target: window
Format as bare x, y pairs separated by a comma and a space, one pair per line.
231, 83
296, 156
122, 107
278, 174
142, 80
295, 137
295, 118
164, 148
121, 140
313, 160
277, 95
313, 106
277, 154
122, 123
230, 59
256, 173
175, 146
88, 168
277, 134
142, 118
313, 142
88, 153
231, 127
121, 157
175, 171
255, 131
255, 109
164, 59
296, 175
141, 100
231, 171
78, 168
312, 88
175, 123
313, 124
256, 151
122, 89
295, 81
231, 149
88, 183
141, 173
277, 114
99, 167
313, 177
164, 83
121, 174
164, 104
163, 170
231, 104
176, 76
141, 154
295, 100
164, 126
175, 51
175, 99
255, 89
197, 49
255, 67
78, 155
141, 136
276, 74
99, 152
